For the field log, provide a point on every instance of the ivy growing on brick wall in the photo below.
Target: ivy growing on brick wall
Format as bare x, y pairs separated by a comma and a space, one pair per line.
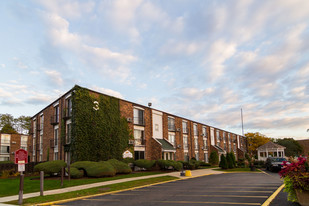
97, 134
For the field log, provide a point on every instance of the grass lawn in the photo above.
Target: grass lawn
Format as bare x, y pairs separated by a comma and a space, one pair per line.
10, 186
96, 190
238, 170
207, 167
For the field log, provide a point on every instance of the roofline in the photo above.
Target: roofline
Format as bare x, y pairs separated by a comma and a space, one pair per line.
137, 104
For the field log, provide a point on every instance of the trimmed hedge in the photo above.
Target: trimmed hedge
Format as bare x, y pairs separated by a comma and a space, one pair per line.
76, 173
6, 162
95, 169
50, 167
142, 163
214, 158
223, 162
120, 167
166, 164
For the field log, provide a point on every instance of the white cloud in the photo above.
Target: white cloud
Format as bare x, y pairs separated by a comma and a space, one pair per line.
69, 8
2, 65
107, 91
174, 47
54, 77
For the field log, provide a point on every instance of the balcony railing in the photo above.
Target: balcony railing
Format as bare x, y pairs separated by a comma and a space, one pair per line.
139, 121
5, 141
171, 127
54, 119
139, 142
185, 130
185, 146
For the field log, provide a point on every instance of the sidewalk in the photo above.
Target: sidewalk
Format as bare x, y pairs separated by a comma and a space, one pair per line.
195, 173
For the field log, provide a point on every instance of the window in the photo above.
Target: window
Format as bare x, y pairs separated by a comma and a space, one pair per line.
171, 124
229, 138
68, 133
206, 157
185, 141
69, 107
139, 137
4, 158
171, 139
195, 143
139, 155
5, 150
138, 116
5, 139
195, 130
186, 157
56, 156
23, 142
218, 137
204, 132
224, 138
185, 127
197, 156
56, 137
56, 114
205, 143
41, 122
41, 144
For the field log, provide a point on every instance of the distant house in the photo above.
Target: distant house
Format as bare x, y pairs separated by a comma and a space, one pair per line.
270, 149
9, 143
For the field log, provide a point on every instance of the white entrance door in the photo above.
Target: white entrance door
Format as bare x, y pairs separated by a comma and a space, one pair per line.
212, 136
157, 126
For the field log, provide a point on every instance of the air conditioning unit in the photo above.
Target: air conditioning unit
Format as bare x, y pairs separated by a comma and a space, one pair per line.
178, 130
129, 119
178, 146
131, 141
202, 148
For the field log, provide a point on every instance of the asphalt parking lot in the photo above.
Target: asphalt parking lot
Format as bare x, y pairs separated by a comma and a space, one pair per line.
223, 189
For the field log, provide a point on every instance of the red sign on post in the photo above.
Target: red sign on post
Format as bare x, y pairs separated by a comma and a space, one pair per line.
21, 156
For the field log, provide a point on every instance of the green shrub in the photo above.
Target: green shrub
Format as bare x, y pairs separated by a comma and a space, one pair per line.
241, 163
128, 160
223, 162
50, 167
193, 164
95, 169
76, 173
233, 159
142, 163
6, 162
120, 167
214, 159
229, 160
166, 164
204, 164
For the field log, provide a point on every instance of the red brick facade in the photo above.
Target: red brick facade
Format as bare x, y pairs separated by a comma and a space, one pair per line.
152, 148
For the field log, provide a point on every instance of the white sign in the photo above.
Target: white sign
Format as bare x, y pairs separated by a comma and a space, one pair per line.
21, 167
127, 154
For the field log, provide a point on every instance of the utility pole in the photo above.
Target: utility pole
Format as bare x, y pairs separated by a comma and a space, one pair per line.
242, 122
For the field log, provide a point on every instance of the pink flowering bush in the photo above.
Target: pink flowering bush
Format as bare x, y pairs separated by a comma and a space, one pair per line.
296, 177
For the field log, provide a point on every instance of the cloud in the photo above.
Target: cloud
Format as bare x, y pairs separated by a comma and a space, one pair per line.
107, 91
54, 77
2, 65
69, 8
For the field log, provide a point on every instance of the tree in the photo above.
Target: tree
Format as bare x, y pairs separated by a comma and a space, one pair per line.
9, 124
229, 161
223, 162
8, 129
255, 140
214, 159
293, 148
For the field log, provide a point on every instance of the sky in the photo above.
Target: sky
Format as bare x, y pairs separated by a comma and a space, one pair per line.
202, 60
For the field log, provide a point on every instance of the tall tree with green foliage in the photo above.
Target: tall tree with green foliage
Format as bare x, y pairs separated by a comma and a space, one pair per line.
214, 158
223, 162
293, 148
9, 124
229, 161
255, 140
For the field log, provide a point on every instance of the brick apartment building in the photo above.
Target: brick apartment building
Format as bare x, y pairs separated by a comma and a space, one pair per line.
9, 143
157, 134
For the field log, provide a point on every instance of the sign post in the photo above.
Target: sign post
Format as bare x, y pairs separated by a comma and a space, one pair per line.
21, 158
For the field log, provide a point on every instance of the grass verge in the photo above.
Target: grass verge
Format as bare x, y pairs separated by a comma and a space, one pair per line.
238, 170
96, 190
10, 186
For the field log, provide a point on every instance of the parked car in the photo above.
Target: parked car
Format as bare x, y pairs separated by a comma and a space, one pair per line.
274, 163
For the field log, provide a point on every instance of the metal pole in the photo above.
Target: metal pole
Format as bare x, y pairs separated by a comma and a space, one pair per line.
41, 183
62, 173
21, 188
242, 122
